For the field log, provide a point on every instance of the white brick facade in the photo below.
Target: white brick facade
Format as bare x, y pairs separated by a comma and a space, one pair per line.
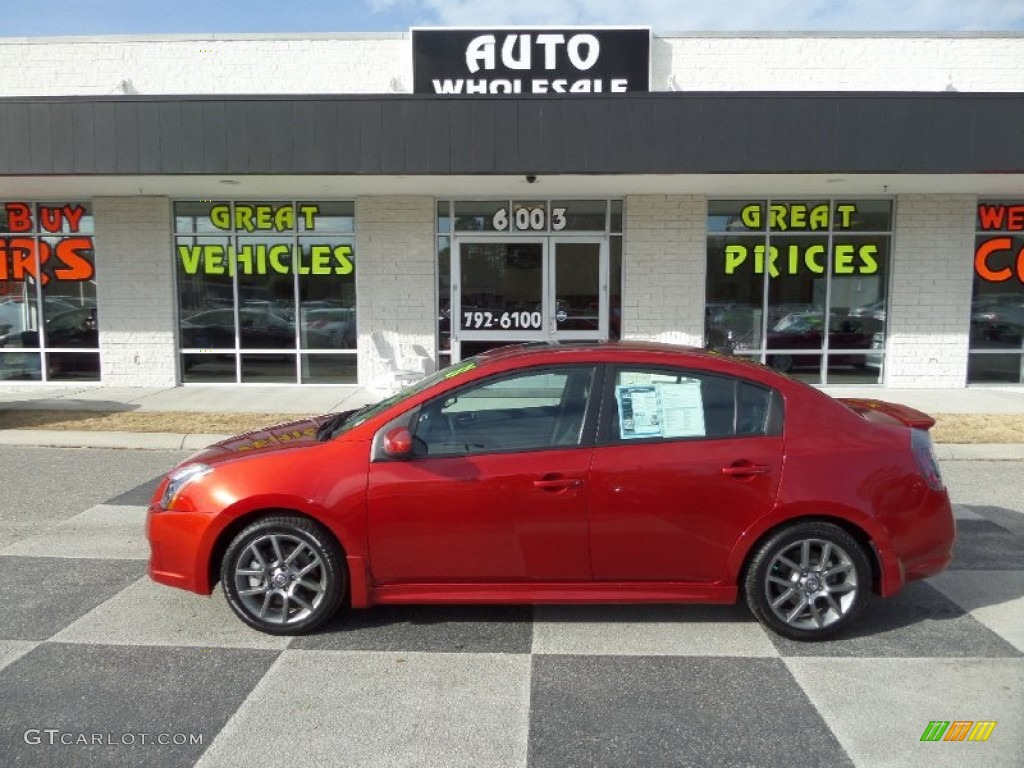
664, 265
664, 237
135, 291
382, 63
930, 298
395, 280
817, 62
217, 65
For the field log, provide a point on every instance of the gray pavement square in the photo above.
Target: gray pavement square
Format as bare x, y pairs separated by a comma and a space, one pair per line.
100, 700
985, 545
673, 711
427, 628
1009, 519
62, 590
141, 494
649, 630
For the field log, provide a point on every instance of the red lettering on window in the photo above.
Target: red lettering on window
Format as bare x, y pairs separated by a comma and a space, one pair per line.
1001, 217
981, 255
19, 217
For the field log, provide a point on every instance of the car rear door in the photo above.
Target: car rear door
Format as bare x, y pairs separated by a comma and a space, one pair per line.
684, 462
498, 490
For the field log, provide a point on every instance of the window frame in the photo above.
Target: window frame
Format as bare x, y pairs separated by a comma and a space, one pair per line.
590, 417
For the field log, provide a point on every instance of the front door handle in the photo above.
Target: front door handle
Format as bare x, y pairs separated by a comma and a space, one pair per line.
746, 469
557, 483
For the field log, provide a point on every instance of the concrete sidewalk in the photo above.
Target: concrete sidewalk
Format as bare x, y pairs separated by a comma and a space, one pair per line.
327, 399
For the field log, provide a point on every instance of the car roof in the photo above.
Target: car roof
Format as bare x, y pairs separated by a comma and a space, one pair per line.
602, 349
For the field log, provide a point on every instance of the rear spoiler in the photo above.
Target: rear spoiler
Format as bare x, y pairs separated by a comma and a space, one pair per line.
883, 411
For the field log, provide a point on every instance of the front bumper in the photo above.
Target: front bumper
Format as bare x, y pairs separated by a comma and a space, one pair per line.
180, 544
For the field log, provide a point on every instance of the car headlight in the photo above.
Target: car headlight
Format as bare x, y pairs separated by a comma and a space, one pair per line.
179, 479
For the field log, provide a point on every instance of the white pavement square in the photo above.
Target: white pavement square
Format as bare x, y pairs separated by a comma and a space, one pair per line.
879, 708
150, 614
104, 532
383, 709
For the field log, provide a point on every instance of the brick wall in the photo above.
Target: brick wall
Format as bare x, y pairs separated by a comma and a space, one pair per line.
382, 63
395, 283
930, 298
664, 266
204, 65
135, 291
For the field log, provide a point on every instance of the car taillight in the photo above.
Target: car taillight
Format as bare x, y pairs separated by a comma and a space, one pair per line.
921, 444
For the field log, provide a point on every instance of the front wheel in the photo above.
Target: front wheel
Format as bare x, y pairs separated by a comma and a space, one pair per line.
284, 575
808, 581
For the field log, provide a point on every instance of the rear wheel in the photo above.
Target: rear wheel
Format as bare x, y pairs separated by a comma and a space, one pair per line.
808, 581
284, 575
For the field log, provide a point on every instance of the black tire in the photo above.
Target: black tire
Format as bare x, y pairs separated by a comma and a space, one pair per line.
284, 575
808, 581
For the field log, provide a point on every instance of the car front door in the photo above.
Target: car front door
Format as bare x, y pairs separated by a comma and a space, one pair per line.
497, 490
684, 463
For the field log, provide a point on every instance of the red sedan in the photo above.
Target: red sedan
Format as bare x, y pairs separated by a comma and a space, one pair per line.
614, 473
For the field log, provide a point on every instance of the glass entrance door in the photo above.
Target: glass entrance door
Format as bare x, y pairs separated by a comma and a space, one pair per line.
578, 296
508, 291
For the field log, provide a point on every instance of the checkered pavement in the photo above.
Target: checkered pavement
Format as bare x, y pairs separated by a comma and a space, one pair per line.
90, 648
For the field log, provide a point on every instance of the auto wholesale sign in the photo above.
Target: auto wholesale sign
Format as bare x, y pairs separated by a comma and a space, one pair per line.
466, 62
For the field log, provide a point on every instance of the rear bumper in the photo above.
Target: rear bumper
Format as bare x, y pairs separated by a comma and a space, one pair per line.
179, 549
924, 548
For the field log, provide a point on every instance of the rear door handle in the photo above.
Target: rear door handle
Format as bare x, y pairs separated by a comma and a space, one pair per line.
746, 470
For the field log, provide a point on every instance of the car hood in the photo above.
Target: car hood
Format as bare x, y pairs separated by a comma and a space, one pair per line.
286, 436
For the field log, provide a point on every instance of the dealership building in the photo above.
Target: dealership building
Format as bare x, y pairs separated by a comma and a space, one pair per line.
341, 209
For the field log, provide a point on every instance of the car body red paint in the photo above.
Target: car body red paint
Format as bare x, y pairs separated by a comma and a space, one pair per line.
670, 517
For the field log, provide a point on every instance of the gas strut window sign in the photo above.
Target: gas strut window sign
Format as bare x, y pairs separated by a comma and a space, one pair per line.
501, 320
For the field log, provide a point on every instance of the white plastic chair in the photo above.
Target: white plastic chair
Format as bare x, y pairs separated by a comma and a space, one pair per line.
386, 358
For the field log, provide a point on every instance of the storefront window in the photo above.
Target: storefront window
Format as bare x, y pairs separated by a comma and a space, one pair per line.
800, 285
997, 307
48, 312
266, 291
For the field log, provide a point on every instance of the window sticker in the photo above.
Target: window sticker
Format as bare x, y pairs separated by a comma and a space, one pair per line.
682, 409
638, 411
660, 409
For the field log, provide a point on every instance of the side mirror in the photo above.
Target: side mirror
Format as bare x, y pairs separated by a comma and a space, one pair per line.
398, 443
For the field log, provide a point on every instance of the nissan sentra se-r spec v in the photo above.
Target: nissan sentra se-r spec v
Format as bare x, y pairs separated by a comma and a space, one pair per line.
544, 473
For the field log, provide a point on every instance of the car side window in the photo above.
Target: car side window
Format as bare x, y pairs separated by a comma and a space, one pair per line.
525, 411
662, 403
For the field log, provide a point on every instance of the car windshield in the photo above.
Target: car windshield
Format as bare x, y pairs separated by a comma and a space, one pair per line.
369, 411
